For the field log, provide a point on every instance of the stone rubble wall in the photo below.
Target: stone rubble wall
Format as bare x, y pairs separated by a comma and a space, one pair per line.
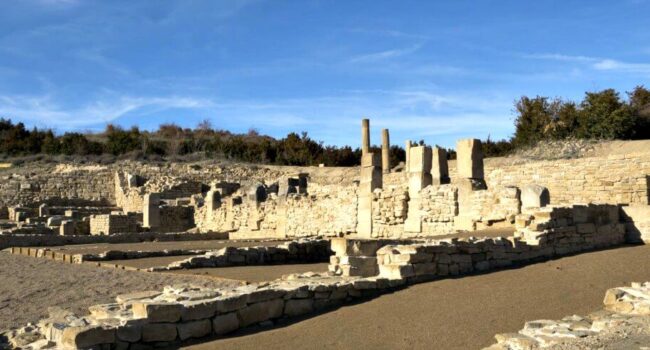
328, 210
299, 251
438, 209
626, 315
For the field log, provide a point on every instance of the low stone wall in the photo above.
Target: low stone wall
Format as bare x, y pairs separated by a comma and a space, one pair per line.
300, 251
166, 318
20, 240
626, 316
541, 235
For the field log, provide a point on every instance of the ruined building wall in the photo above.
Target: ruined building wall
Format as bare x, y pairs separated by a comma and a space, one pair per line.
328, 210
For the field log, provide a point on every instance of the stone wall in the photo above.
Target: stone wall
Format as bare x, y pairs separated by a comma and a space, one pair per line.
108, 224
328, 210
78, 187
616, 179
176, 218
541, 235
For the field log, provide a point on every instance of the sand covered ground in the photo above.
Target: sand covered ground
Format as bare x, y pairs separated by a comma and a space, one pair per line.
462, 313
28, 286
96, 248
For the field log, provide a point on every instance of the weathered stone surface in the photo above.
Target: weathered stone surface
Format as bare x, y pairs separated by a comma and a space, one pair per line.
197, 310
259, 312
226, 323
297, 307
159, 332
469, 159
86, 336
157, 311
534, 196
194, 329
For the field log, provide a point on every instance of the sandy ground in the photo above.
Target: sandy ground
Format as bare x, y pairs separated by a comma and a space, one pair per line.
255, 273
154, 246
28, 286
461, 313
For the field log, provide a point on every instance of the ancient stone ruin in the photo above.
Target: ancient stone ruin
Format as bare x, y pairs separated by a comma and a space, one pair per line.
380, 227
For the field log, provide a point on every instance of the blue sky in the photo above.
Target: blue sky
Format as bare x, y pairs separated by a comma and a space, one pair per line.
432, 70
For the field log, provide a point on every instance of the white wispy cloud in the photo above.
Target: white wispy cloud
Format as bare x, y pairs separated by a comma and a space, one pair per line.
387, 54
44, 111
597, 63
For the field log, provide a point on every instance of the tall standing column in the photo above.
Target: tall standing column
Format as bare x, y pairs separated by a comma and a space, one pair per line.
385, 151
365, 136
407, 148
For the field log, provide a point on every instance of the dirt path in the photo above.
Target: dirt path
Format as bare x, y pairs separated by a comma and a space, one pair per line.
462, 313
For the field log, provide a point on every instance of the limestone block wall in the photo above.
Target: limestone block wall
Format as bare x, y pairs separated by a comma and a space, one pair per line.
80, 187
616, 179
109, 224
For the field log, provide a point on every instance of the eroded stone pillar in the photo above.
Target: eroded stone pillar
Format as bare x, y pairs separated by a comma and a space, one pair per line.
370, 179
365, 136
469, 161
439, 166
419, 177
151, 210
385, 151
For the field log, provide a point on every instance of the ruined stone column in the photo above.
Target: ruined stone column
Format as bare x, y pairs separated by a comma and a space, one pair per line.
385, 151
370, 179
419, 177
151, 210
469, 162
365, 136
439, 166
407, 149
